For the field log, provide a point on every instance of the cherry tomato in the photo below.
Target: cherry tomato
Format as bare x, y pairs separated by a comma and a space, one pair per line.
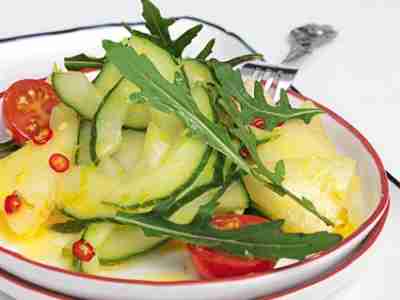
212, 264
83, 250
258, 122
26, 109
59, 162
12, 204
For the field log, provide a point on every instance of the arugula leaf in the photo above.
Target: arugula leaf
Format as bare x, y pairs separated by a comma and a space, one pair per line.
156, 24
206, 51
159, 29
233, 62
77, 62
265, 240
175, 98
185, 39
171, 98
232, 92
72, 226
231, 88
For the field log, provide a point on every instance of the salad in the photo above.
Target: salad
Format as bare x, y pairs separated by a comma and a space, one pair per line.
161, 147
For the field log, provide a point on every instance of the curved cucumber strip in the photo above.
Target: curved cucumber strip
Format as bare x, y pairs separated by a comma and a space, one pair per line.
233, 199
180, 169
76, 91
95, 234
106, 79
125, 242
131, 149
116, 109
82, 156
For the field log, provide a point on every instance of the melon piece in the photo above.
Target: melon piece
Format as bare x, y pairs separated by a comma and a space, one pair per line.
27, 172
324, 181
296, 140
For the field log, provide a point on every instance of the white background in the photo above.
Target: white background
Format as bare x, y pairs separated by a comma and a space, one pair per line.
358, 75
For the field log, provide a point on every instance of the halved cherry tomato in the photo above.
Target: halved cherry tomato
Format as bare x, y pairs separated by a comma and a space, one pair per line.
12, 204
27, 107
212, 264
59, 162
83, 250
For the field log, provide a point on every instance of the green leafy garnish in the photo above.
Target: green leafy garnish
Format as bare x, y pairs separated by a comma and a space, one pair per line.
175, 98
233, 62
80, 61
72, 226
231, 89
265, 240
206, 51
233, 93
159, 29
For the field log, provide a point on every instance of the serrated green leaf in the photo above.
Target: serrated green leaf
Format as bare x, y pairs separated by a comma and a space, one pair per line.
172, 98
159, 29
80, 61
265, 240
280, 168
231, 87
168, 97
206, 51
156, 24
185, 39
72, 226
233, 62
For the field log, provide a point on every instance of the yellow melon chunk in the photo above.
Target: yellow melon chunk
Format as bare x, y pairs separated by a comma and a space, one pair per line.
27, 172
297, 139
324, 181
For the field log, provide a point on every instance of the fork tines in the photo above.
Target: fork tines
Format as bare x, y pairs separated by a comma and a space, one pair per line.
282, 75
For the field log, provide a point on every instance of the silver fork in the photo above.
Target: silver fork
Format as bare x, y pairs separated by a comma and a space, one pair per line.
304, 40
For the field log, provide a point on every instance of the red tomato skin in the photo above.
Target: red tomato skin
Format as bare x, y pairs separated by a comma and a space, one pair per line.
214, 264
27, 105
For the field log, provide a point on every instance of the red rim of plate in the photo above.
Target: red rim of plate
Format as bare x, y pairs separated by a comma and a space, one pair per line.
383, 202
367, 243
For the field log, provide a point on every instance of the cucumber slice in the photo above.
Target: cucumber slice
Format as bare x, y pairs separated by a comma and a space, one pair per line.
106, 79
95, 234
113, 113
182, 166
124, 242
76, 91
131, 149
234, 199
82, 156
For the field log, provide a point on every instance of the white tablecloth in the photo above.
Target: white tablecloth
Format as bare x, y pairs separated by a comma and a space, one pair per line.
357, 76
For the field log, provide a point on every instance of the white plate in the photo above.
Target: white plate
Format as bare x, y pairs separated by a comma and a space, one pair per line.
39, 53
325, 286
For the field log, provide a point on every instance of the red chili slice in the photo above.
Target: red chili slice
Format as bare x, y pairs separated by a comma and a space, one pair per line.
59, 162
12, 204
83, 250
244, 152
259, 123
